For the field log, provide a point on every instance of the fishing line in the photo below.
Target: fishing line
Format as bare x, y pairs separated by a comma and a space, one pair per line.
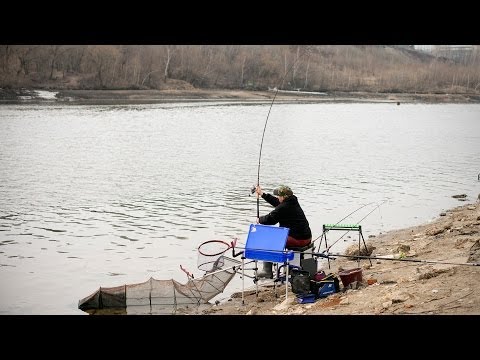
378, 206
339, 221
381, 219
265, 126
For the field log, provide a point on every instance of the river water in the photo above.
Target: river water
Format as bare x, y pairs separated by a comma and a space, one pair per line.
109, 195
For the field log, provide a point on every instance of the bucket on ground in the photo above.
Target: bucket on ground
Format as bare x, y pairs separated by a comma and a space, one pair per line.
351, 275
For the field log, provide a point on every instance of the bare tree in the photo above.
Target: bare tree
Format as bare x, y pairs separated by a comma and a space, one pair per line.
103, 57
243, 70
305, 84
53, 51
7, 51
296, 64
167, 62
25, 55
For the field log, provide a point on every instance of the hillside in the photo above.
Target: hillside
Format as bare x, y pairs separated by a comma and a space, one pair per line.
320, 68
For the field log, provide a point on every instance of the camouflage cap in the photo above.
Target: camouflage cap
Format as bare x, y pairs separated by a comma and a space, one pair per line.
283, 190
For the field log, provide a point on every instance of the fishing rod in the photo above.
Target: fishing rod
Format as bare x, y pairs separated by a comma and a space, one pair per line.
339, 221
322, 254
329, 247
333, 256
378, 206
265, 127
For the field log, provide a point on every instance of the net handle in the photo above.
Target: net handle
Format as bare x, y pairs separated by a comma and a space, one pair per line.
186, 272
213, 241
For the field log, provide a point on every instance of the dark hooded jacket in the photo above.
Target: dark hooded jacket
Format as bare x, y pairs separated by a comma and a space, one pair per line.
288, 214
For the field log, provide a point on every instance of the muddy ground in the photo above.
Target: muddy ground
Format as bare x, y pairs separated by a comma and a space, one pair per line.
118, 97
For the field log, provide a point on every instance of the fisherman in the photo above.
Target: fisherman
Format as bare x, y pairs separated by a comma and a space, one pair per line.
287, 213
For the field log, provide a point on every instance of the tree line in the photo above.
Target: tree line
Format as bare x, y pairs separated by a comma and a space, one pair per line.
323, 68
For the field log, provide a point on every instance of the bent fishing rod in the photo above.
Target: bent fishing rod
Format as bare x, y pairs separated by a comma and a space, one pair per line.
265, 127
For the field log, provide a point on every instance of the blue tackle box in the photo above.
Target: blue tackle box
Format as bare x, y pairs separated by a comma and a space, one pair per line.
267, 243
328, 288
305, 298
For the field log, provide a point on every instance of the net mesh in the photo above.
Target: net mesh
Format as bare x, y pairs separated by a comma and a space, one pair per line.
162, 296
210, 255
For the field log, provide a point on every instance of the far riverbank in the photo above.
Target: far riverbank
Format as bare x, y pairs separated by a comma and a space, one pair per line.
114, 97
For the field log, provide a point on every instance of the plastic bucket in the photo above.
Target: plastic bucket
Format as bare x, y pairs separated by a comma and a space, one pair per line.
349, 276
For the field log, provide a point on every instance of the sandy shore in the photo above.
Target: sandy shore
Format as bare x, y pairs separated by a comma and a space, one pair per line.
392, 286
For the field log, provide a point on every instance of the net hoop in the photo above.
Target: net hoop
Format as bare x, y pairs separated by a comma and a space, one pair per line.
218, 242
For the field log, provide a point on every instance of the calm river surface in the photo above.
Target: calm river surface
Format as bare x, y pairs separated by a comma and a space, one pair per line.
96, 196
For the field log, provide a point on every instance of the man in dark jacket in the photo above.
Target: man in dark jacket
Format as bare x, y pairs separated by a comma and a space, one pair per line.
287, 213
